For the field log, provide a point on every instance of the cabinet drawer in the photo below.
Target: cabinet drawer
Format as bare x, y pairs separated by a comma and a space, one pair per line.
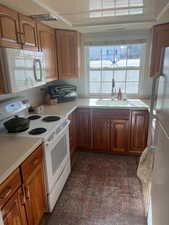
9, 186
31, 163
112, 113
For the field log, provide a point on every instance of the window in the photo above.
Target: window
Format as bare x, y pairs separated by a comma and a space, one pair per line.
121, 63
105, 8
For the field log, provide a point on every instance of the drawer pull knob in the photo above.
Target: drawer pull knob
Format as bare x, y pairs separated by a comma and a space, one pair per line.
6, 193
35, 162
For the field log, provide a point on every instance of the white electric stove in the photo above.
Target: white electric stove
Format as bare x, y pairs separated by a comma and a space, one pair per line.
54, 132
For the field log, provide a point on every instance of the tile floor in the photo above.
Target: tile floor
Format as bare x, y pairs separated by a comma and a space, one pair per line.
101, 190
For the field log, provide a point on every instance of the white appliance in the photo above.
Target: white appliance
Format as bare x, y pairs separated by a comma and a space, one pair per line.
21, 69
158, 213
54, 132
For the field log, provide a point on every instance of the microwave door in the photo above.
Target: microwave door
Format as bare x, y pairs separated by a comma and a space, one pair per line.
37, 69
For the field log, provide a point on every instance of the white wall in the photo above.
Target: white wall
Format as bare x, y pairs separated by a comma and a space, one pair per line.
34, 95
145, 90
159, 5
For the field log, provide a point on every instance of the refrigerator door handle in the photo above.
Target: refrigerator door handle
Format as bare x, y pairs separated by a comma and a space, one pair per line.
154, 91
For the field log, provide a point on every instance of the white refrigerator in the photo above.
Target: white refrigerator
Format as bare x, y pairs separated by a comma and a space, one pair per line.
158, 213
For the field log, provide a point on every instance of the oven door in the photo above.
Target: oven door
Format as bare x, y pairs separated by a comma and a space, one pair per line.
57, 155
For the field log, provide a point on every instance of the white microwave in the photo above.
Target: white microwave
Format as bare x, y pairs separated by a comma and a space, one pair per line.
21, 69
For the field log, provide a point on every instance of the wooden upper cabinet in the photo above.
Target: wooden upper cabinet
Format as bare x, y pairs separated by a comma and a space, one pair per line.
83, 132
13, 212
68, 53
47, 44
3, 83
159, 42
28, 32
120, 134
9, 28
139, 131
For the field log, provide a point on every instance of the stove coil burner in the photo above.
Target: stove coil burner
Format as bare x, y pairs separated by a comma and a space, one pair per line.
34, 117
51, 118
37, 131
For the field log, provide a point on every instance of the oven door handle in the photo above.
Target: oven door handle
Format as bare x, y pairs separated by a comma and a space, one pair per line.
60, 134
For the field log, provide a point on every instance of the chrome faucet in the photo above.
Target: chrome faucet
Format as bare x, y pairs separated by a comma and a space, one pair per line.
113, 88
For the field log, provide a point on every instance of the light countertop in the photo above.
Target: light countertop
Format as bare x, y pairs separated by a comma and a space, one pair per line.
64, 109
13, 151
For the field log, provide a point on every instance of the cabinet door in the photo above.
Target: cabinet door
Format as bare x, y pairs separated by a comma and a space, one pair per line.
139, 131
83, 129
47, 44
72, 133
34, 186
119, 135
14, 212
68, 54
2, 85
160, 41
9, 28
35, 196
28, 32
101, 134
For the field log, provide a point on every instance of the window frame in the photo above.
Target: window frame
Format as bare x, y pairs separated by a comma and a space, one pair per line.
141, 69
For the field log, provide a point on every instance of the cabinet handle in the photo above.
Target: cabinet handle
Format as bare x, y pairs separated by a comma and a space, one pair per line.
35, 162
19, 34
27, 193
22, 33
22, 198
6, 193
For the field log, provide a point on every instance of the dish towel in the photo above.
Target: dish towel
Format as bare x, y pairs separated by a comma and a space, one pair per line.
144, 172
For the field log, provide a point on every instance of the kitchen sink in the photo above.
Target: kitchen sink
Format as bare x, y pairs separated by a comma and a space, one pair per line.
116, 103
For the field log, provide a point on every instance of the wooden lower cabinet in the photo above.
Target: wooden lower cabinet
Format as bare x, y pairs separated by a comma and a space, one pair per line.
112, 131
22, 194
14, 212
34, 187
83, 128
35, 197
100, 134
119, 136
72, 135
139, 130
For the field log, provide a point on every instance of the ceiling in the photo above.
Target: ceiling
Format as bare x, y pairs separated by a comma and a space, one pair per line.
94, 15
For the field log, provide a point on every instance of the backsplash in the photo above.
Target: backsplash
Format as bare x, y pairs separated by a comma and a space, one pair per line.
34, 95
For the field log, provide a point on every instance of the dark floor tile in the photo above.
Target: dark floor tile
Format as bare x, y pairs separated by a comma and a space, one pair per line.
102, 190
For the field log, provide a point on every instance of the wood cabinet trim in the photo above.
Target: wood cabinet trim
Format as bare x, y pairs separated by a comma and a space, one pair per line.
159, 42
31, 163
47, 44
13, 39
9, 186
27, 23
139, 134
67, 42
14, 210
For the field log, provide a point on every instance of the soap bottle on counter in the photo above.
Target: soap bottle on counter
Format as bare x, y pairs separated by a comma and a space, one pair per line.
119, 95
